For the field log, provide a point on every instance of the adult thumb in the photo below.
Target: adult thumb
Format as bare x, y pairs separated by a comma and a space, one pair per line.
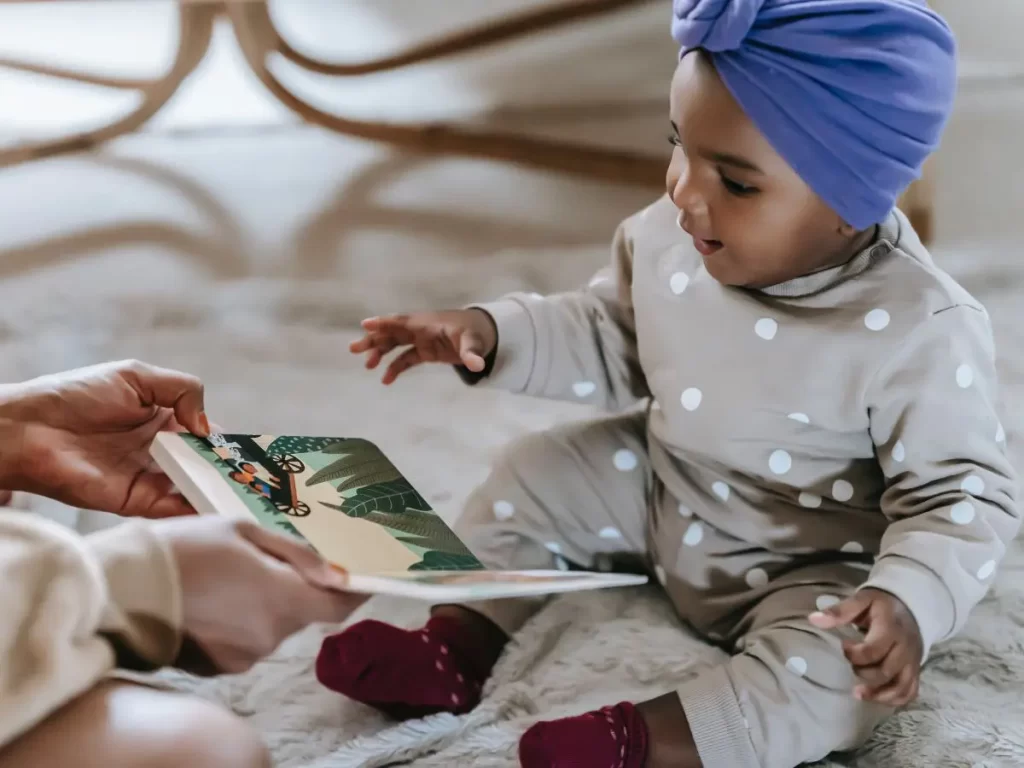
302, 558
845, 612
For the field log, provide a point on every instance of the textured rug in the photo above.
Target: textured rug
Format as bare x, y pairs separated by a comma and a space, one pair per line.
588, 650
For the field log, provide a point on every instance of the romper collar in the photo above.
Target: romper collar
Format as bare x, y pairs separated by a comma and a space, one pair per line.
815, 282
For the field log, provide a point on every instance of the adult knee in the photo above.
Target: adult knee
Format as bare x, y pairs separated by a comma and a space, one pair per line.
207, 736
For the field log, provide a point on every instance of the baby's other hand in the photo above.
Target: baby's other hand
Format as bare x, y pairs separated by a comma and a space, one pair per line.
888, 659
456, 337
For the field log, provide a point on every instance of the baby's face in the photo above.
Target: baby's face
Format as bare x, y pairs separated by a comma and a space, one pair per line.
753, 219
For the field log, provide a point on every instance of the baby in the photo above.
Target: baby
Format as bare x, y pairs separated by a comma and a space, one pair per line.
819, 477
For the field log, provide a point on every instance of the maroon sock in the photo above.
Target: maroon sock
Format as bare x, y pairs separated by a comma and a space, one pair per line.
612, 737
408, 674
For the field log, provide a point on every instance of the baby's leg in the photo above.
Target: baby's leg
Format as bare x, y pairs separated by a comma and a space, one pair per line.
554, 499
784, 699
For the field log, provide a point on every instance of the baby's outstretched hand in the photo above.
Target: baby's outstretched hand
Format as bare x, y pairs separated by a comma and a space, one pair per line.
888, 658
456, 337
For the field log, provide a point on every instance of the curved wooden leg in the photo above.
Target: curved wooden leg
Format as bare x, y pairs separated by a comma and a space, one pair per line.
259, 39
195, 33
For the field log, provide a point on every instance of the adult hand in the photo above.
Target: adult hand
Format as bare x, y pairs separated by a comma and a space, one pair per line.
82, 437
888, 659
246, 589
456, 337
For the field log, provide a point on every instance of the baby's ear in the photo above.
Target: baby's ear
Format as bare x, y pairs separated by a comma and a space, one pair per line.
846, 230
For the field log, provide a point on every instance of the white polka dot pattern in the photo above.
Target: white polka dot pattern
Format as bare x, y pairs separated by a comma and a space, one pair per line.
797, 665
962, 513
756, 577
809, 500
780, 462
824, 602
678, 282
503, 510
964, 376
721, 490
625, 460
691, 398
694, 535
766, 328
876, 320
973, 485
842, 490
899, 452
584, 388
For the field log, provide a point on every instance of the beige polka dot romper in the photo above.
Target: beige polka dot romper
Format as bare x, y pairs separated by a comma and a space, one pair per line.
767, 452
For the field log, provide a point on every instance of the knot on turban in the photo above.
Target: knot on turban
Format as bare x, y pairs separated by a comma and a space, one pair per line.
854, 94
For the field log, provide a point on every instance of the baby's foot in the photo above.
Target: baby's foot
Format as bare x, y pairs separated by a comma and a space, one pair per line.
409, 674
612, 737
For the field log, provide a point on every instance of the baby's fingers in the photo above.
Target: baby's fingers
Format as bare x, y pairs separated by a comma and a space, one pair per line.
902, 690
875, 646
878, 675
359, 346
411, 357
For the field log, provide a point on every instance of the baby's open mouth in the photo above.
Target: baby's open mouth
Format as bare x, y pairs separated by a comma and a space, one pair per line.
706, 247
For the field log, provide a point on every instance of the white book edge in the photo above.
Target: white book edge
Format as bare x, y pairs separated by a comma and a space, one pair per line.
208, 492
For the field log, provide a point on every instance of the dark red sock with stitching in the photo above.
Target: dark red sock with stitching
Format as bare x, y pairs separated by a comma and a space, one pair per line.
411, 673
612, 737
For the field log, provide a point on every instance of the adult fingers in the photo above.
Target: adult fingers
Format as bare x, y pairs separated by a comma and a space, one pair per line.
313, 604
847, 611
170, 389
304, 560
408, 359
152, 495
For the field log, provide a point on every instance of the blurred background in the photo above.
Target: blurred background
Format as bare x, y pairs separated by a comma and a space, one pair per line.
231, 237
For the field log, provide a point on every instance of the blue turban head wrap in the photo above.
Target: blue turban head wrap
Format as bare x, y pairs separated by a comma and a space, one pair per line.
853, 94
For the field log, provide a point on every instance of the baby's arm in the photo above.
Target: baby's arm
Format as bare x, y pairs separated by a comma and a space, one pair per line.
578, 346
951, 495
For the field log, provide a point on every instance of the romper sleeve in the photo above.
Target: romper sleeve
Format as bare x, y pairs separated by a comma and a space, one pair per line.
578, 346
951, 495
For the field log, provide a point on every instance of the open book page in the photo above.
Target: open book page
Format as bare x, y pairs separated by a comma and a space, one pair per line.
342, 495
349, 502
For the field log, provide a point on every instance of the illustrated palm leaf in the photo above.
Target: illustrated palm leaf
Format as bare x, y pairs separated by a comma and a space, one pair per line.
361, 463
395, 496
294, 444
450, 547
442, 561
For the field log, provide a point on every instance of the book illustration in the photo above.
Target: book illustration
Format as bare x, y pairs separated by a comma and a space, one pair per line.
342, 495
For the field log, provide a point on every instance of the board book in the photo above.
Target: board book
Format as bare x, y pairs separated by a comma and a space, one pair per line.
349, 502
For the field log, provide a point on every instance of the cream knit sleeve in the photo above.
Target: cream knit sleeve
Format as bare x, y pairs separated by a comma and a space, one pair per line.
75, 607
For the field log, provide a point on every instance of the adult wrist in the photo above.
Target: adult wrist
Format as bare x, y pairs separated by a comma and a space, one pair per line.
12, 438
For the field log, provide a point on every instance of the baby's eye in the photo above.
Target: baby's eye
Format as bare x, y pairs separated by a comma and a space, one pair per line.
734, 187
674, 140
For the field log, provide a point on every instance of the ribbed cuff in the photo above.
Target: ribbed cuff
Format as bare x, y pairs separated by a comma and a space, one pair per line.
517, 345
924, 594
144, 613
716, 721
